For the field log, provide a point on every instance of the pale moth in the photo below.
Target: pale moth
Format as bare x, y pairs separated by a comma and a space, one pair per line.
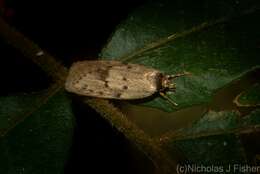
118, 80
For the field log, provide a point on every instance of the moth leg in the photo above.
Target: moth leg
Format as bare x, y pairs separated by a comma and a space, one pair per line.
178, 75
168, 99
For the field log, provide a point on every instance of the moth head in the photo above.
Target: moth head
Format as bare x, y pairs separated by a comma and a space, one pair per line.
167, 81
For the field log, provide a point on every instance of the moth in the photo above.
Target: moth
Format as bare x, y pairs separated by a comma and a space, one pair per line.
118, 80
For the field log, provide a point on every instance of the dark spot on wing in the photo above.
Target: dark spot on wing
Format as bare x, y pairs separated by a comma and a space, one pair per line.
106, 84
124, 79
125, 87
85, 87
129, 67
91, 90
100, 93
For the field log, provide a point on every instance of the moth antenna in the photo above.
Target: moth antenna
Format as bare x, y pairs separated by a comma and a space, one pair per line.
179, 75
168, 99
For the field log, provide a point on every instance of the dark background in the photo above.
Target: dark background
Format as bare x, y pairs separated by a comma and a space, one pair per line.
71, 31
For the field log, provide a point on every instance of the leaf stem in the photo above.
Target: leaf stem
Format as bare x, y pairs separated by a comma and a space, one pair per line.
30, 50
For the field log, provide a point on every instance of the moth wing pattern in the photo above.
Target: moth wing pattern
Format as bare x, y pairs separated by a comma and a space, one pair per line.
112, 79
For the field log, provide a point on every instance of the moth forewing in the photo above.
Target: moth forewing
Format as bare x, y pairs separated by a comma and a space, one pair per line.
117, 80
113, 79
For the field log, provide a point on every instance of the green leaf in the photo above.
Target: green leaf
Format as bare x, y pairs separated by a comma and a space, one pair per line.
211, 121
40, 142
215, 123
215, 55
218, 43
